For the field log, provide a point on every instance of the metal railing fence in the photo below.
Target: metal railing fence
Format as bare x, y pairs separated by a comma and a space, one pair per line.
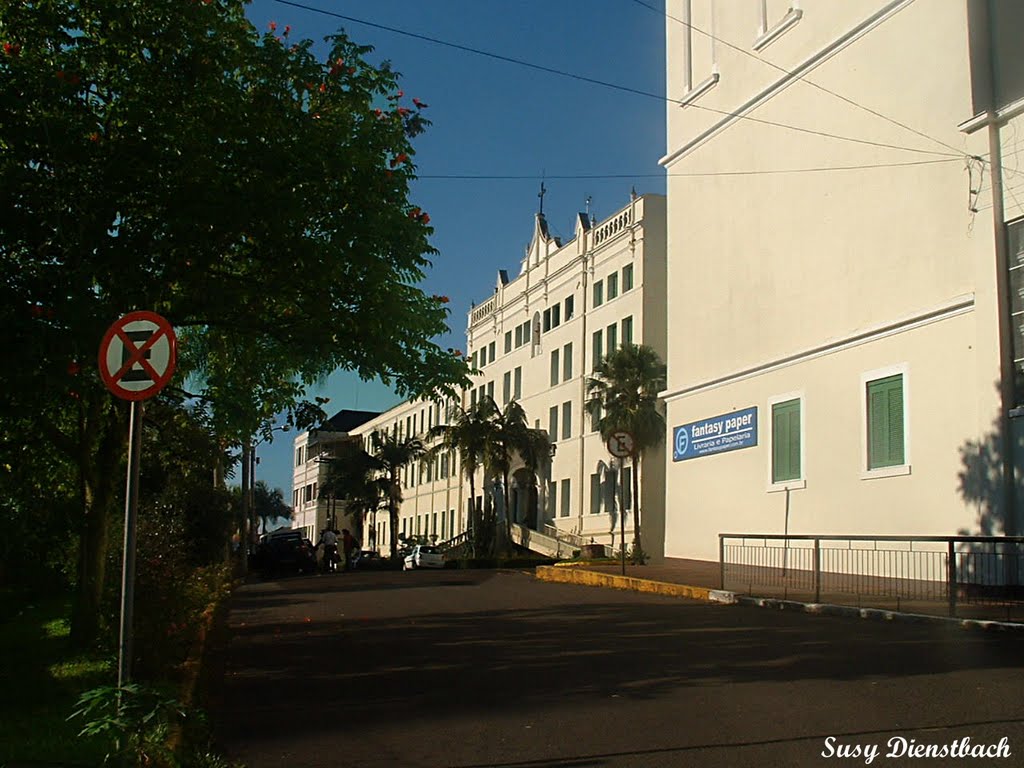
906, 569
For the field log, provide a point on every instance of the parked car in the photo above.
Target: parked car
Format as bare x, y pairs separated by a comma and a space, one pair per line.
423, 556
367, 559
285, 551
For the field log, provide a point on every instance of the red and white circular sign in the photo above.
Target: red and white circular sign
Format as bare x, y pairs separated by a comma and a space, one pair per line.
137, 355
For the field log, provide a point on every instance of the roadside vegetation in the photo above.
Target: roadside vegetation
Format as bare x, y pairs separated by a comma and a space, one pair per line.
168, 156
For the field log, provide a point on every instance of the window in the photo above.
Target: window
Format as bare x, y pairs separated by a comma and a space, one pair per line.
433, 523
472, 360
598, 293
555, 368
472, 398
508, 342
506, 388
611, 489
566, 420
553, 423
612, 337
298, 456
552, 497
595, 493
612, 285
567, 362
547, 320
519, 336
490, 351
704, 48
786, 441
490, 389
598, 353
569, 307
773, 23
627, 278
566, 486
556, 315
885, 422
627, 331
526, 332
595, 418
517, 385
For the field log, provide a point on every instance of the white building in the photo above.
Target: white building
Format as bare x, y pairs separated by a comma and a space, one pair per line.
536, 339
311, 460
838, 332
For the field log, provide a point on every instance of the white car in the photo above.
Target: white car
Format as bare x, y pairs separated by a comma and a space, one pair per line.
423, 556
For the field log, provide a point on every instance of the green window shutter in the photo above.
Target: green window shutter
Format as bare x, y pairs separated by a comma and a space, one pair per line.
786, 441
885, 422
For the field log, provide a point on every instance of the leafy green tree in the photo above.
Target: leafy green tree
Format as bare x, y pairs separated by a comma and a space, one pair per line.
467, 434
623, 393
166, 155
392, 454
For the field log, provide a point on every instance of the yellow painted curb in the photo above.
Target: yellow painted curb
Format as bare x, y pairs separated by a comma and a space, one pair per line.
597, 579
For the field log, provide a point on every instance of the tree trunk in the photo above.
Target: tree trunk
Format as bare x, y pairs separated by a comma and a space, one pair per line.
471, 529
98, 478
393, 515
637, 546
506, 497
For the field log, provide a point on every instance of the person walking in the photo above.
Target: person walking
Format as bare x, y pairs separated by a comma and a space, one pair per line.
329, 540
348, 544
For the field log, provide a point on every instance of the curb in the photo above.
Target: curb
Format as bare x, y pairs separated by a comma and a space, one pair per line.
725, 597
596, 579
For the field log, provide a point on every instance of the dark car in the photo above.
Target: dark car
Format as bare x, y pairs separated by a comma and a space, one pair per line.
367, 559
285, 551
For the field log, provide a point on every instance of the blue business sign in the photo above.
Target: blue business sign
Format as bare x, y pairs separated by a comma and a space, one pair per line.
727, 432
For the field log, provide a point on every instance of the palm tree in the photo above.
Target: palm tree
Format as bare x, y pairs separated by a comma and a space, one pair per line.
468, 435
507, 436
623, 394
393, 452
535, 452
353, 475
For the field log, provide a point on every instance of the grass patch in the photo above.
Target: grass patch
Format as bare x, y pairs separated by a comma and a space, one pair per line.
40, 682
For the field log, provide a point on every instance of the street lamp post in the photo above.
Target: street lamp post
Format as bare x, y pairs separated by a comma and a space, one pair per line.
249, 462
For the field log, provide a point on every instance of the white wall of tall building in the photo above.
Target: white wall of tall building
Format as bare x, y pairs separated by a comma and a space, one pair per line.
630, 240
786, 284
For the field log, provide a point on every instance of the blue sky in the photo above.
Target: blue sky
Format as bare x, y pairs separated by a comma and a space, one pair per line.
494, 118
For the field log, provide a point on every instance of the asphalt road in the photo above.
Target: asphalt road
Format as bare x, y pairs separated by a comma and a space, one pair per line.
483, 668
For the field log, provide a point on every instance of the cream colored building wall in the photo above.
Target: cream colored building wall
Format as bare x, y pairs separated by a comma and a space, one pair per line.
423, 502
801, 282
633, 235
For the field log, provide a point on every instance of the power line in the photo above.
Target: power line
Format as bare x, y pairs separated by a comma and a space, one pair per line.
801, 78
604, 84
760, 172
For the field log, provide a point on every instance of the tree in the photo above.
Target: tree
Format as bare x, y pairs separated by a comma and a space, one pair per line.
623, 395
353, 475
467, 434
535, 452
166, 155
268, 504
393, 453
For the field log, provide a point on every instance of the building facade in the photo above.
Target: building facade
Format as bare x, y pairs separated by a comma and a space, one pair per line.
311, 457
839, 349
536, 338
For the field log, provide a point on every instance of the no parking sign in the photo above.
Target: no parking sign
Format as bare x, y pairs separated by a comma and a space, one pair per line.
137, 355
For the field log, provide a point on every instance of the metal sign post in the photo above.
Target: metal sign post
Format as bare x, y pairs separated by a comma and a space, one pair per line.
622, 445
136, 360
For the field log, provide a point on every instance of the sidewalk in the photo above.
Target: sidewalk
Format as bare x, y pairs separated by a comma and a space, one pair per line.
701, 580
